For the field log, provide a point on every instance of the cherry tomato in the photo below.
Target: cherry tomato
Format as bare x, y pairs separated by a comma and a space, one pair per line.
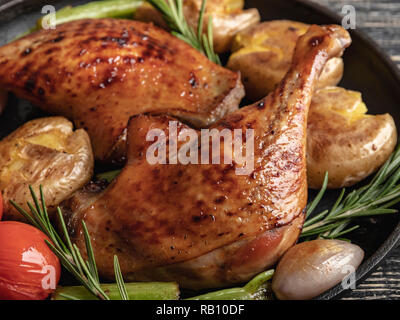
29, 270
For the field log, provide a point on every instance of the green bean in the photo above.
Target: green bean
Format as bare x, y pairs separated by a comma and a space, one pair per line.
257, 289
109, 175
95, 9
136, 291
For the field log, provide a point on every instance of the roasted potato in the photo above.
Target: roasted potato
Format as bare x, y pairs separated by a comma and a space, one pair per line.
43, 152
263, 55
343, 140
228, 18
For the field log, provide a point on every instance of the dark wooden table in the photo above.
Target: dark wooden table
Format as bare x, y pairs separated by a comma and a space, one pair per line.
380, 19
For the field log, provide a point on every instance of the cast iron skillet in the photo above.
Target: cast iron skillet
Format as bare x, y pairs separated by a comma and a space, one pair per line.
367, 69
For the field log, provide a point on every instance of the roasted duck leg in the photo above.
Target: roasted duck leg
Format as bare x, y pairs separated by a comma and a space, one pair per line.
100, 72
204, 225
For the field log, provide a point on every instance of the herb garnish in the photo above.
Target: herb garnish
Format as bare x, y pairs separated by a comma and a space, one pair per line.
172, 11
375, 198
70, 256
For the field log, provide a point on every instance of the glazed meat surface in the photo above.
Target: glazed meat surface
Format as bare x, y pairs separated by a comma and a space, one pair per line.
204, 225
101, 72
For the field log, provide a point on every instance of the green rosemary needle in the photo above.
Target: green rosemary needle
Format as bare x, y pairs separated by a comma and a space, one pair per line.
120, 280
68, 253
172, 11
375, 198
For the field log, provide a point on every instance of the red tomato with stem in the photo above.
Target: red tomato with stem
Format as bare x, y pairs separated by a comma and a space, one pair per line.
29, 270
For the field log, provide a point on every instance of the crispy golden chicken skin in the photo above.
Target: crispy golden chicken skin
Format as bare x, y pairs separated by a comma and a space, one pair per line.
204, 225
45, 152
263, 54
345, 141
228, 18
100, 72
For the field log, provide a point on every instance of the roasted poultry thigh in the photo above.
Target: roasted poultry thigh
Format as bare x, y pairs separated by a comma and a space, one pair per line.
100, 72
202, 224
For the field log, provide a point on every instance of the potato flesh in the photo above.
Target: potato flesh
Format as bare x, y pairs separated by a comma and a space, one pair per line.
256, 45
232, 6
347, 103
53, 140
218, 6
244, 44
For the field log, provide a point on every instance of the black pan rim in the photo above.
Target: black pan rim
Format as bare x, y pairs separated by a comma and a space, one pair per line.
368, 266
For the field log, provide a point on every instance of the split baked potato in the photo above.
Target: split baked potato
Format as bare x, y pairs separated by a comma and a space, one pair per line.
228, 18
43, 152
263, 55
345, 141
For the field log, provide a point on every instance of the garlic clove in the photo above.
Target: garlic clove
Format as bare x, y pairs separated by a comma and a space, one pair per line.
310, 268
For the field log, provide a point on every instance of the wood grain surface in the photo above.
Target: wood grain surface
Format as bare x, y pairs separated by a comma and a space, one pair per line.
380, 19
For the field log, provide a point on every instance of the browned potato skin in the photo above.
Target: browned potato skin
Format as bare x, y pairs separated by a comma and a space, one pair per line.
263, 70
228, 16
350, 150
43, 152
100, 72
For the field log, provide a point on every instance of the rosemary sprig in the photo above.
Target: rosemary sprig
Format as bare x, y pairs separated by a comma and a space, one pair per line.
172, 11
120, 280
85, 271
375, 198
